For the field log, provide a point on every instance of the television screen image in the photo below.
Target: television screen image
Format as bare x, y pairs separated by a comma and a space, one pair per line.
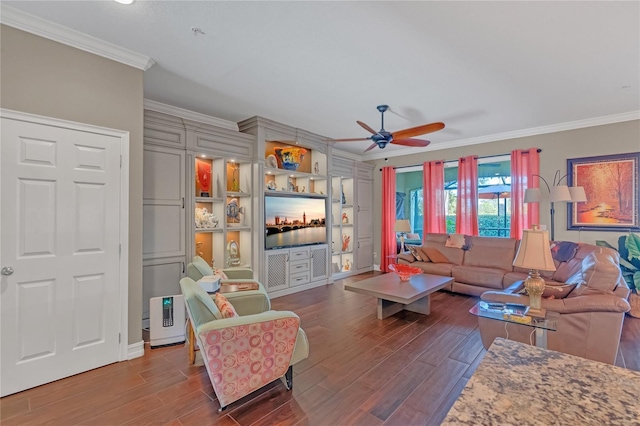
294, 221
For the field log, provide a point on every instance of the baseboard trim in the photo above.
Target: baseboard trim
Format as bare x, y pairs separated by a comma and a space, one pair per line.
135, 350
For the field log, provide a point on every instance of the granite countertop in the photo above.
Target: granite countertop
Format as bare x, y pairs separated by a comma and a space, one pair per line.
518, 384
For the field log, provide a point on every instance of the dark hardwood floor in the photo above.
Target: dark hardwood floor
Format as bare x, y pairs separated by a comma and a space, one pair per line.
405, 370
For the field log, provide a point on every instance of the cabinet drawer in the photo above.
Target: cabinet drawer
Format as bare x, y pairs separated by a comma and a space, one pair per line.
299, 253
298, 279
299, 266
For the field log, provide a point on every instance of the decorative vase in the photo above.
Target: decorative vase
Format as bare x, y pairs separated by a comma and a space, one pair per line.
290, 157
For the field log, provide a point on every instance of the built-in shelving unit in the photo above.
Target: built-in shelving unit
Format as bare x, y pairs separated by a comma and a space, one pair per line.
342, 230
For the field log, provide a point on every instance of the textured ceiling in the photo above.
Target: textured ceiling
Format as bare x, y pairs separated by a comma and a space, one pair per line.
484, 68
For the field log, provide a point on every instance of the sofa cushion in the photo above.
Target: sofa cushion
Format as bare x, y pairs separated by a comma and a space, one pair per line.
438, 241
226, 308
564, 270
455, 240
442, 269
484, 277
491, 252
600, 272
416, 253
512, 277
435, 255
407, 257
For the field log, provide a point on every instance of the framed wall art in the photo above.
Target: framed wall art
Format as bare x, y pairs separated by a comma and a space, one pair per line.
613, 192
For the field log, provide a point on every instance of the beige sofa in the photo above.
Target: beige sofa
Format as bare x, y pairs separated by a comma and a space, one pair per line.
488, 263
591, 315
587, 290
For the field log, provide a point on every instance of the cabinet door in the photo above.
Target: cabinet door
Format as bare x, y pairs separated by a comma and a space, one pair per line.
163, 210
277, 270
363, 210
319, 262
364, 255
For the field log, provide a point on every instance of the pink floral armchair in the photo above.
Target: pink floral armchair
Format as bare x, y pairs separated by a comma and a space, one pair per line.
243, 353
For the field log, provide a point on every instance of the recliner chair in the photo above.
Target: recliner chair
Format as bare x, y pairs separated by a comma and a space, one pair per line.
243, 353
245, 302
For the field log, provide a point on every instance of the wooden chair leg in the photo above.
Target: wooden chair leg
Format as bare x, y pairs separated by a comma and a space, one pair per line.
192, 344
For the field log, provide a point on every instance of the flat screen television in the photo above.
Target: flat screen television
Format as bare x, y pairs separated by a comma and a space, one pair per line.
294, 220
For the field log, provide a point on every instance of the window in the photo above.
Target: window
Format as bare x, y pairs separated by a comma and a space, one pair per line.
494, 191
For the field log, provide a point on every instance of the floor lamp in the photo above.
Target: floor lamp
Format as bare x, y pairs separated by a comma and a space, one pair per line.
557, 193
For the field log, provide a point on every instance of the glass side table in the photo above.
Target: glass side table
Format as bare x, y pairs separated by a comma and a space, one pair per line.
509, 313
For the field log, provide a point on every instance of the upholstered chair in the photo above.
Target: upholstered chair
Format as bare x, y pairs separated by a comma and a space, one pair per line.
243, 353
246, 302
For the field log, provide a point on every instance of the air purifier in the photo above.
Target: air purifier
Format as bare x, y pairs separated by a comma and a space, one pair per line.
166, 321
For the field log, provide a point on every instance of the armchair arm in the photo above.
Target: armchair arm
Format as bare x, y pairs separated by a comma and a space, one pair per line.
504, 297
568, 305
248, 302
239, 273
591, 303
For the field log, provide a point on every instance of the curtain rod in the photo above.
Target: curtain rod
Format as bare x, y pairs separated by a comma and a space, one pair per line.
486, 156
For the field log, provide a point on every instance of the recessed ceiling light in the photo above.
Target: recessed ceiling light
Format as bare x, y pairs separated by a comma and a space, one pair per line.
125, 1
203, 156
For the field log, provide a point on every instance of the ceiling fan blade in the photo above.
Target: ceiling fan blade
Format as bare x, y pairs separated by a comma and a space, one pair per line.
348, 140
417, 131
411, 142
373, 145
366, 127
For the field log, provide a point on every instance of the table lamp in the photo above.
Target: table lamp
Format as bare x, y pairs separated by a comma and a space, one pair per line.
402, 226
534, 254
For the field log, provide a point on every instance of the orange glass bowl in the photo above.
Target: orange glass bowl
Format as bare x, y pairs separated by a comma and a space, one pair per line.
405, 271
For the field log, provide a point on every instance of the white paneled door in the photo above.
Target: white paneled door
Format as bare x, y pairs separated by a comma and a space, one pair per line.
60, 227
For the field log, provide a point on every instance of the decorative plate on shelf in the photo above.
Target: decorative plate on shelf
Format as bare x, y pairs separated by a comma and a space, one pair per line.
271, 161
233, 209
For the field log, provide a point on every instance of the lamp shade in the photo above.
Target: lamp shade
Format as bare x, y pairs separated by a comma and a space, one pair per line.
532, 195
534, 251
403, 225
577, 194
559, 193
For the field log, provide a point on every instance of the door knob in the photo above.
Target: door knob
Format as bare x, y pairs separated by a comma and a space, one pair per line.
7, 270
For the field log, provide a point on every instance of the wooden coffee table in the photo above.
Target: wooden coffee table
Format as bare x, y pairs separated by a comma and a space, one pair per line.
394, 295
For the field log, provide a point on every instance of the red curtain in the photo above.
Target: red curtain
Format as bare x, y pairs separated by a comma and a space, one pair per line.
467, 205
524, 164
388, 243
433, 185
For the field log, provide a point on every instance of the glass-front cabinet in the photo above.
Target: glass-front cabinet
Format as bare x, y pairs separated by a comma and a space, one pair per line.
342, 229
292, 168
222, 211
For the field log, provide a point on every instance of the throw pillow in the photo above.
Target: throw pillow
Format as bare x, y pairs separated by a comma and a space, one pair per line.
407, 256
415, 253
226, 309
455, 240
413, 236
435, 255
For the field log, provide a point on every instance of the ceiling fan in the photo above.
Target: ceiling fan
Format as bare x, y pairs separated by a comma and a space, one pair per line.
400, 137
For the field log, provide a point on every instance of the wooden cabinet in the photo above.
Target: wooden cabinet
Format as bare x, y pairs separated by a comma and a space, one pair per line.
364, 217
294, 269
292, 167
197, 189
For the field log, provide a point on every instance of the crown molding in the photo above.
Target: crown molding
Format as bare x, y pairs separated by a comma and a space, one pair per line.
16, 18
553, 128
346, 154
190, 115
